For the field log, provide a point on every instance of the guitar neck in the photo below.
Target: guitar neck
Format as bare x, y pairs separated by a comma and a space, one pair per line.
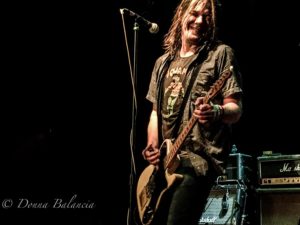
180, 139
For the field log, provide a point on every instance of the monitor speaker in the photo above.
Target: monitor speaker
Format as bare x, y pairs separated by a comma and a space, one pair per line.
279, 206
224, 205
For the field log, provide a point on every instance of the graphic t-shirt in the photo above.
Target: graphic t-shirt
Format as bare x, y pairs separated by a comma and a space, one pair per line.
173, 93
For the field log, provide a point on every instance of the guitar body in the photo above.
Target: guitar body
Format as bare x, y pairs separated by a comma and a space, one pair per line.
151, 187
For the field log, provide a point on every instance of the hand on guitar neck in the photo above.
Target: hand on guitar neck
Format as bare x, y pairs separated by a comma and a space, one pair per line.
207, 113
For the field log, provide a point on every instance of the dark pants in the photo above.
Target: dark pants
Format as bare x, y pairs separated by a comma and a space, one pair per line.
186, 200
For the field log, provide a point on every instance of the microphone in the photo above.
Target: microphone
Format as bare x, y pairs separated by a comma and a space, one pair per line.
153, 27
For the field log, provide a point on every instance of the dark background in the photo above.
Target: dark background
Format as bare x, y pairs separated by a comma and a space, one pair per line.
66, 98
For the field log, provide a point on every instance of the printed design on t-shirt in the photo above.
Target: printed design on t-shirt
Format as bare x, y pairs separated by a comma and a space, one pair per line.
175, 88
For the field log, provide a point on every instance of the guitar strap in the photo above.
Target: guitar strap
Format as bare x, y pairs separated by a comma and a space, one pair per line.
187, 93
184, 101
162, 71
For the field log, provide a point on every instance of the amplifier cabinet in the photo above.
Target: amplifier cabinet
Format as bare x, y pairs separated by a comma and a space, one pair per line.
279, 206
279, 170
224, 205
239, 167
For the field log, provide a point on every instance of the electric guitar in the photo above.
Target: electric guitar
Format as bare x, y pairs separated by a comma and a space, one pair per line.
154, 181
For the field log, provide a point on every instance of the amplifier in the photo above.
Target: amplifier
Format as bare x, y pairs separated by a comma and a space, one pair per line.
279, 205
224, 205
239, 167
279, 170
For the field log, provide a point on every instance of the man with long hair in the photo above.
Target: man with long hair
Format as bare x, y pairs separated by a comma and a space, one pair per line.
184, 102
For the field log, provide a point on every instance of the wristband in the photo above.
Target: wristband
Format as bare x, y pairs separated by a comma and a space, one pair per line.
218, 111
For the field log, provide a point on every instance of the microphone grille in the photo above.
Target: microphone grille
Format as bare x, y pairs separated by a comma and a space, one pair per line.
154, 28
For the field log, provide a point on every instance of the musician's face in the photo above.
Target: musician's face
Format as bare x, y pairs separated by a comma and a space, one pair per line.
195, 21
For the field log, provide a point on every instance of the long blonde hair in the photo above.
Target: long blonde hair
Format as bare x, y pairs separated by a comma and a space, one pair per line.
172, 40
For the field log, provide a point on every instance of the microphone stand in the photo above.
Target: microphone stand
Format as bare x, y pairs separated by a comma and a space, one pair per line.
133, 126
